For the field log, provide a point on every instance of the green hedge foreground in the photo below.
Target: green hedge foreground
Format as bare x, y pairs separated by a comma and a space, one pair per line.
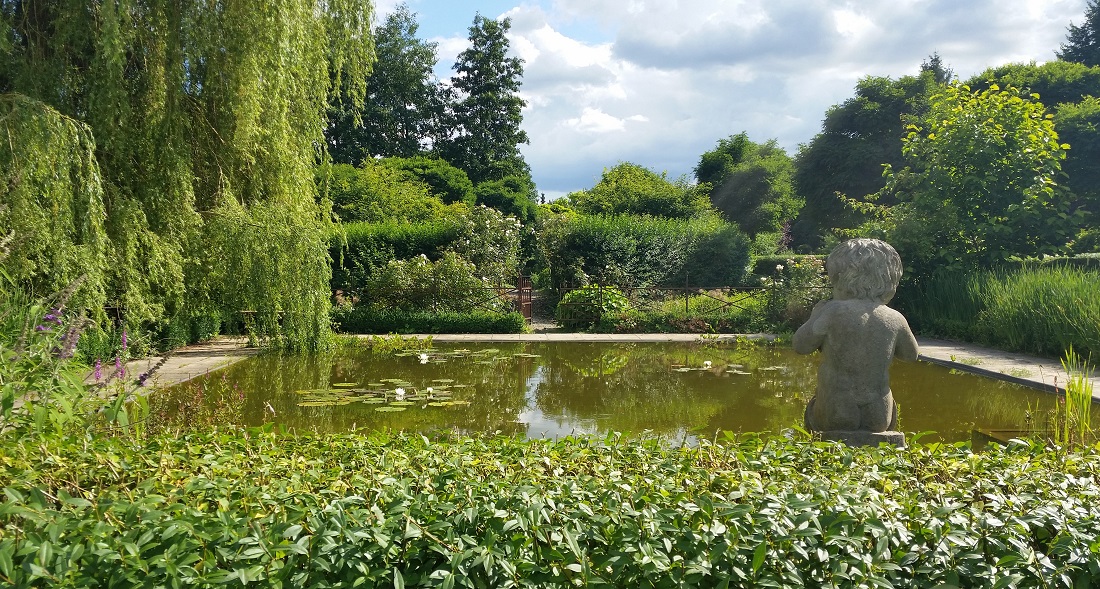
234, 509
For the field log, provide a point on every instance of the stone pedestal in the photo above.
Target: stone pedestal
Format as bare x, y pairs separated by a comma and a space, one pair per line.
863, 438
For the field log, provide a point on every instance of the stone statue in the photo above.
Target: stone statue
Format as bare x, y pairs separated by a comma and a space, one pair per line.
858, 336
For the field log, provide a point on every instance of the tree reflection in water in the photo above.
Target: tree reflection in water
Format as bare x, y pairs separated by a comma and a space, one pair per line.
670, 391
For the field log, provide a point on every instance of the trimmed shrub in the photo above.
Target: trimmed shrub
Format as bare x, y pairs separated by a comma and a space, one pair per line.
363, 247
381, 321
642, 251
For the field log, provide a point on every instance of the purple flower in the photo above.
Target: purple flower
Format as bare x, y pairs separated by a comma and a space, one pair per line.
144, 376
54, 317
98, 370
119, 370
123, 339
41, 327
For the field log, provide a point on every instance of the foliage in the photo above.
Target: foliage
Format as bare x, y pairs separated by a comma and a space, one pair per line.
737, 311
376, 193
51, 216
448, 183
630, 189
512, 195
1079, 126
364, 247
487, 114
588, 305
1073, 416
792, 289
756, 192
1068, 91
478, 512
207, 121
1042, 310
857, 137
1056, 82
490, 240
402, 113
715, 165
1083, 41
981, 183
642, 251
40, 385
371, 320
417, 284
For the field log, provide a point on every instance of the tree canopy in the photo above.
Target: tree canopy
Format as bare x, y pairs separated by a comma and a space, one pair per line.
402, 114
753, 188
980, 184
206, 119
487, 114
1083, 41
630, 189
845, 159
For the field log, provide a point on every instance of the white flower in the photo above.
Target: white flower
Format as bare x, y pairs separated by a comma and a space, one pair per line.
399, 393
423, 358
706, 363
779, 267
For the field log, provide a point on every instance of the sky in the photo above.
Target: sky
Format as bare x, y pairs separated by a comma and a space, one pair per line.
659, 82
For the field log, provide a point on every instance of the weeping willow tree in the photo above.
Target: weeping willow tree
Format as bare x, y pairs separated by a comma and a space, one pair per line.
51, 202
207, 117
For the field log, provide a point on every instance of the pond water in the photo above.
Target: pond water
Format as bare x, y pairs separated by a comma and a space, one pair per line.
665, 390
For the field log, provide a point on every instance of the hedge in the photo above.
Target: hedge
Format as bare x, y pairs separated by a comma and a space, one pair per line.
230, 509
365, 246
366, 320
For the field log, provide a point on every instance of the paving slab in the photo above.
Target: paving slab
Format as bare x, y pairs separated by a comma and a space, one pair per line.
1031, 371
186, 363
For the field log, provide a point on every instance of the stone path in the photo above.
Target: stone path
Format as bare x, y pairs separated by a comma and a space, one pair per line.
1031, 371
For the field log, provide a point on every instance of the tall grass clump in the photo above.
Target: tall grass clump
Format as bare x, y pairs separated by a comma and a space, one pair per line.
1072, 418
1042, 311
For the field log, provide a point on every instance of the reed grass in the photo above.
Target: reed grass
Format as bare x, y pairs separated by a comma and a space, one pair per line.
1072, 420
1042, 310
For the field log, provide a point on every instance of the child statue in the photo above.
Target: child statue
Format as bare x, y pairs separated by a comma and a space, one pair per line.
858, 336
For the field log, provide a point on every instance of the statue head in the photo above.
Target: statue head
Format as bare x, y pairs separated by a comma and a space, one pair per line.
867, 269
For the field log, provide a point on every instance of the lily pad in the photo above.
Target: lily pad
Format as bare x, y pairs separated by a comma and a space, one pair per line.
389, 409
443, 380
344, 385
316, 404
402, 404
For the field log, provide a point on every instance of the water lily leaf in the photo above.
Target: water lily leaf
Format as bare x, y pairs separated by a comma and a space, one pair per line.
373, 401
526, 356
737, 372
316, 403
770, 368
345, 384
443, 380
402, 403
389, 409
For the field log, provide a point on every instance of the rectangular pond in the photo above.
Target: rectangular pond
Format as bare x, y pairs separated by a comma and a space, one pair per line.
552, 389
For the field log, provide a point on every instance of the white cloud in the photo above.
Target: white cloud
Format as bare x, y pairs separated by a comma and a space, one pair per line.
664, 80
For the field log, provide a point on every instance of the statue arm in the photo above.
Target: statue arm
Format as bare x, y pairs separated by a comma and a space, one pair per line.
905, 347
810, 336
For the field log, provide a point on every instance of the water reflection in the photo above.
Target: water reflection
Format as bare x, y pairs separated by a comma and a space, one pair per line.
670, 391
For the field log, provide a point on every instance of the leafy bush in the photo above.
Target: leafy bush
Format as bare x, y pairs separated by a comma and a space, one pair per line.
404, 510
380, 321
587, 306
642, 251
793, 289
418, 284
512, 195
630, 189
376, 193
364, 247
448, 183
